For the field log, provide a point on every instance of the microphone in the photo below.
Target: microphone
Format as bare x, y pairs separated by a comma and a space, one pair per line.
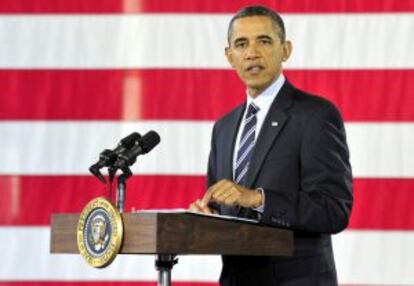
145, 144
109, 157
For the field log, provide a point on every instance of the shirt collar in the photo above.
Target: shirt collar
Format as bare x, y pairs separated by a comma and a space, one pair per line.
265, 99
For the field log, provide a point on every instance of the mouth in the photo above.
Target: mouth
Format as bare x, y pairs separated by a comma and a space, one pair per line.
254, 69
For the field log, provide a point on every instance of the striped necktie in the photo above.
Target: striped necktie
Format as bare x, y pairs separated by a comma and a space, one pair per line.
247, 140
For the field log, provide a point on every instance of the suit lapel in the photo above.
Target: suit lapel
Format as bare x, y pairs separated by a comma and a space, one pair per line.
233, 126
273, 124
228, 146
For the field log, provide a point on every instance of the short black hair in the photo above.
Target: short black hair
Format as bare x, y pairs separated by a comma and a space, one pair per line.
250, 11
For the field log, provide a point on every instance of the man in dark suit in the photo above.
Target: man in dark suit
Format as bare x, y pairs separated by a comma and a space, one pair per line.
281, 157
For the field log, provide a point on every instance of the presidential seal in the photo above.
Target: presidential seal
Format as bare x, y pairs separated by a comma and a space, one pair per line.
100, 232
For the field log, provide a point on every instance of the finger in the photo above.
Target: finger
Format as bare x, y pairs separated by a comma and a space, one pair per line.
196, 206
207, 196
219, 185
206, 209
218, 188
201, 208
231, 200
206, 199
221, 198
193, 207
221, 188
226, 190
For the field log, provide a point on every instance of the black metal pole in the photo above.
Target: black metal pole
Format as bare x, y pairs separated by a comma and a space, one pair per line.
164, 264
120, 193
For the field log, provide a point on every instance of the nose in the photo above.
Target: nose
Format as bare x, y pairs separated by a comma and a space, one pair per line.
252, 52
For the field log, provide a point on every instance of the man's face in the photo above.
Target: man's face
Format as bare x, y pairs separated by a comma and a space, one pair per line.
256, 52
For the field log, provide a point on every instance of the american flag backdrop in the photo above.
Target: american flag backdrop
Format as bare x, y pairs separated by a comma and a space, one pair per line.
78, 75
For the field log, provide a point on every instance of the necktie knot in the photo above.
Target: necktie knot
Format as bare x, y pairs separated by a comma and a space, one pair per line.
252, 109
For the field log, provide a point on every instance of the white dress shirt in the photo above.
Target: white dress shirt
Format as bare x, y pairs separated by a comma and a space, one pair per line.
263, 101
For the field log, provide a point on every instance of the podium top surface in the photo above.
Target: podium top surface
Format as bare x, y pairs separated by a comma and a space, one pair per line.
153, 232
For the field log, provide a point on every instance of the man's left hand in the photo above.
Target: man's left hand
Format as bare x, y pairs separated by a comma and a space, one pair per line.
226, 192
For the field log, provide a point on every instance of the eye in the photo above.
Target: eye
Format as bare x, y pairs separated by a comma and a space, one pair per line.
240, 45
265, 41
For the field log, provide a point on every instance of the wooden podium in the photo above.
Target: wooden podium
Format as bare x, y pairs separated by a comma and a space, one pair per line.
168, 234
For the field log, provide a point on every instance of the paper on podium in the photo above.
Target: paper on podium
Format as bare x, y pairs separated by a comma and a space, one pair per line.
172, 211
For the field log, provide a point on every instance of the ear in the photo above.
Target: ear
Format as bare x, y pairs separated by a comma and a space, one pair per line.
229, 56
287, 50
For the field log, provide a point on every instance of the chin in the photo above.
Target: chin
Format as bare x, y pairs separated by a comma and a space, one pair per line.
257, 85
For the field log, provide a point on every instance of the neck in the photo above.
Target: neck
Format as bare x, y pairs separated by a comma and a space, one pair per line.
255, 92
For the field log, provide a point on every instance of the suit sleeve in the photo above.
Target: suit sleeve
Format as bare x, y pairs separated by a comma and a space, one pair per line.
212, 169
324, 201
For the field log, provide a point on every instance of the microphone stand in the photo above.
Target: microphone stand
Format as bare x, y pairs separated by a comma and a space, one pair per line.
111, 177
163, 262
121, 188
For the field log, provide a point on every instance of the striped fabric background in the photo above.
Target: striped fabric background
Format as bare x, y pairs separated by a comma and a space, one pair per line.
77, 75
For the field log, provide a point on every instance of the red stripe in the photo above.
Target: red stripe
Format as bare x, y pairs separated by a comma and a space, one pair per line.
59, 94
383, 204
361, 95
201, 6
40, 196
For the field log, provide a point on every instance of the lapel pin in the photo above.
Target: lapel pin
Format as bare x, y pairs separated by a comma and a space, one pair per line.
275, 123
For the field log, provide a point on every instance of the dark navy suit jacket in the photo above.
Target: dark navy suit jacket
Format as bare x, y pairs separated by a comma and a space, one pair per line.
301, 160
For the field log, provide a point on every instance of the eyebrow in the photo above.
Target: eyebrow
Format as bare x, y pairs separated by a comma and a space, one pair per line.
241, 39
260, 37
263, 37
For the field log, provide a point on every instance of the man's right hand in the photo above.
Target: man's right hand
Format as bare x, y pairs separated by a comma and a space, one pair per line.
198, 206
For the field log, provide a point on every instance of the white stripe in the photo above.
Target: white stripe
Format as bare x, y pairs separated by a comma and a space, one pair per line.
243, 156
381, 149
375, 257
71, 147
321, 41
242, 173
249, 119
369, 257
28, 258
36, 147
244, 140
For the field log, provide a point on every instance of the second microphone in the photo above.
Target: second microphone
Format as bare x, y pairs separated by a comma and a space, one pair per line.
144, 145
